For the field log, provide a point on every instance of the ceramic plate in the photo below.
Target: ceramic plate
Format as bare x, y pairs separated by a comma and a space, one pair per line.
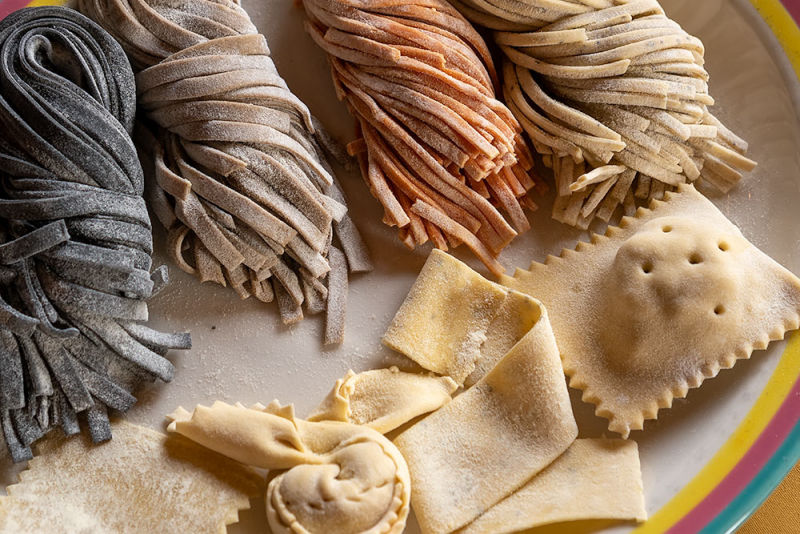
706, 463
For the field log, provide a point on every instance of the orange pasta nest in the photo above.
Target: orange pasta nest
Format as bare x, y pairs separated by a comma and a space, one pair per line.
436, 147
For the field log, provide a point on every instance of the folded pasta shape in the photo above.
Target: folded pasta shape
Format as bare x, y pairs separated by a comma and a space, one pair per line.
244, 188
489, 441
75, 265
614, 96
436, 148
340, 478
658, 304
384, 399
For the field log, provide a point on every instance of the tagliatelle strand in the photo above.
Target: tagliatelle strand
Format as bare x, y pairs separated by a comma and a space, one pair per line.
607, 86
243, 185
440, 153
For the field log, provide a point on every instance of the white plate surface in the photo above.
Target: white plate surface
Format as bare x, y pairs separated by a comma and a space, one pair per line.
243, 353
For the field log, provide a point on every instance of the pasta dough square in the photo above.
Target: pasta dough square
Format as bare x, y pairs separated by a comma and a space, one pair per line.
593, 479
141, 481
443, 321
490, 440
658, 304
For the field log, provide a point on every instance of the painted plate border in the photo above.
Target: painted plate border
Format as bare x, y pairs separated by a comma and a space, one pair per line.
766, 444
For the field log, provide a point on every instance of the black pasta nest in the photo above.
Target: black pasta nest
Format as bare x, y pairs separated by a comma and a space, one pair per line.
75, 258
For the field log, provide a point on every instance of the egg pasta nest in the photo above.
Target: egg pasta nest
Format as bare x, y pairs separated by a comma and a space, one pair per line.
614, 96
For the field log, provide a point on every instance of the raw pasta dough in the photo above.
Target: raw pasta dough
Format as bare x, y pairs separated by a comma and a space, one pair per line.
243, 186
456, 323
340, 479
614, 96
490, 440
437, 149
659, 304
593, 479
384, 399
442, 323
141, 481
76, 237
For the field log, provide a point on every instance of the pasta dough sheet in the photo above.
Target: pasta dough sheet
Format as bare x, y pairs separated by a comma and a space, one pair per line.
384, 399
593, 479
490, 440
141, 481
454, 322
443, 321
659, 304
517, 316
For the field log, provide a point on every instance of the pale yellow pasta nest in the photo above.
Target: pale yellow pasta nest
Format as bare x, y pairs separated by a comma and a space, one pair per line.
614, 96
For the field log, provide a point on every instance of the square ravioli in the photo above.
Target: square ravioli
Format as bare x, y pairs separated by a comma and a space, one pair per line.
140, 481
658, 304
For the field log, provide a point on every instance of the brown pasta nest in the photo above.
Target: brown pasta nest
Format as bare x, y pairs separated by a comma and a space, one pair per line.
437, 149
243, 186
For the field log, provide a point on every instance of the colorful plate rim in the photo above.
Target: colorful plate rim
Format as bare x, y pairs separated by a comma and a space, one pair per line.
766, 444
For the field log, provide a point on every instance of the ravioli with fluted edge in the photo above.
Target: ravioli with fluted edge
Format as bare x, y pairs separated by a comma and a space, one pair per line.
658, 304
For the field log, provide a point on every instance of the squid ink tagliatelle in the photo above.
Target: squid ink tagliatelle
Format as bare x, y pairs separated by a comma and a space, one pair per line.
76, 237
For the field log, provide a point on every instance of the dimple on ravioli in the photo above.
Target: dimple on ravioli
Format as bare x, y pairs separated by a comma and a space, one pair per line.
660, 303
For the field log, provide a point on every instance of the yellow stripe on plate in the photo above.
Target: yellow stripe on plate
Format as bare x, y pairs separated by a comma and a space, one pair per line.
783, 26
771, 398
37, 3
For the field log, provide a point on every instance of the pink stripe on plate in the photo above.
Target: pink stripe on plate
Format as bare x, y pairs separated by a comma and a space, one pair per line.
793, 7
9, 6
748, 467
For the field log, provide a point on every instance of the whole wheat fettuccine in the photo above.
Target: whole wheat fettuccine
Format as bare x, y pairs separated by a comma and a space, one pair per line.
244, 189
